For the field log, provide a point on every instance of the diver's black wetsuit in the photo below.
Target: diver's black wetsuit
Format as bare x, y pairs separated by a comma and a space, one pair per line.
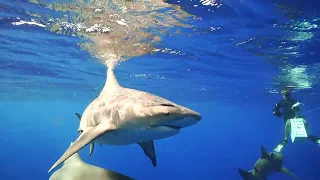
283, 109
285, 105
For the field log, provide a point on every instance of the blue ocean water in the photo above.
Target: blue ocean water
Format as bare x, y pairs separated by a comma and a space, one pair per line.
231, 70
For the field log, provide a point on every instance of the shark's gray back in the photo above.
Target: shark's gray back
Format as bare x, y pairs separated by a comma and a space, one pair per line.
264, 167
75, 169
267, 166
126, 98
86, 172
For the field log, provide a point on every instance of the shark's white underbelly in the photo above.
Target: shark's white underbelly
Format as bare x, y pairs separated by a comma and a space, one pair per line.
132, 136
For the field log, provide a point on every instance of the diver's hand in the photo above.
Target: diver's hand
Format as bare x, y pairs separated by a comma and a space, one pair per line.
277, 113
296, 105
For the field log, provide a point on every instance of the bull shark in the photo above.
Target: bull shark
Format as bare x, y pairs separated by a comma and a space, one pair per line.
123, 116
267, 164
75, 169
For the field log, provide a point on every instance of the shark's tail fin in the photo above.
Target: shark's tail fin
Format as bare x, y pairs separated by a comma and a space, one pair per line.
286, 171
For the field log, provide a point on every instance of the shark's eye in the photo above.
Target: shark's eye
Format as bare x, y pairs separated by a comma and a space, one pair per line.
80, 131
170, 105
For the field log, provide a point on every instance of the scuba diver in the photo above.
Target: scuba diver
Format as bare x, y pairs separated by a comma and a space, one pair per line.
288, 108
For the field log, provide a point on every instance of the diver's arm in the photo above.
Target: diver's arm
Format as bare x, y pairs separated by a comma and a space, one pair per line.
296, 109
296, 106
276, 110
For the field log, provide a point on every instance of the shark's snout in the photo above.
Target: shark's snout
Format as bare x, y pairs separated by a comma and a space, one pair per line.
175, 115
193, 115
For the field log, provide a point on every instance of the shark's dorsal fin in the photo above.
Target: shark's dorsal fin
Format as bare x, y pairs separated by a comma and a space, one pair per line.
272, 155
264, 153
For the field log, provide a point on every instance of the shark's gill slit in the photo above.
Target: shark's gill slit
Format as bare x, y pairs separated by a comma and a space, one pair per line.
170, 105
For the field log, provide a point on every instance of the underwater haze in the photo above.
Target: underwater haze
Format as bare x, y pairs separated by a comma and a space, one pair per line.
226, 59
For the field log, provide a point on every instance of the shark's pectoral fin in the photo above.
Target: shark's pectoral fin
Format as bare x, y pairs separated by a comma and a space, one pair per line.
79, 116
85, 138
91, 148
244, 174
286, 171
148, 149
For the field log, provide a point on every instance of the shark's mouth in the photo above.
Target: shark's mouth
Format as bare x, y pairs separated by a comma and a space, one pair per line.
183, 123
169, 126
127, 136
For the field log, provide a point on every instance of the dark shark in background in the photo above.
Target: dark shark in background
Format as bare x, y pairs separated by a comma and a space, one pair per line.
267, 164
